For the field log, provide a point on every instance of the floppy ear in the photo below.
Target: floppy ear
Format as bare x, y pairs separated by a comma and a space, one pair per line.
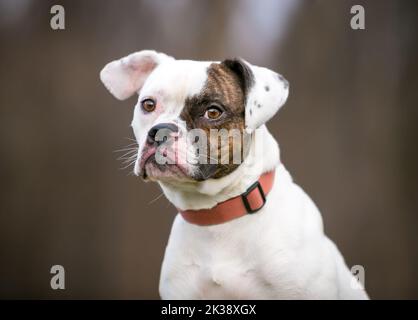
266, 91
127, 75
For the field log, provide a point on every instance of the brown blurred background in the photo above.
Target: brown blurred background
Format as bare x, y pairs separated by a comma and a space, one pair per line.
348, 134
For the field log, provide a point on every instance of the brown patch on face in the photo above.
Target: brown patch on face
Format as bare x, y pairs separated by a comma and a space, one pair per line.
226, 87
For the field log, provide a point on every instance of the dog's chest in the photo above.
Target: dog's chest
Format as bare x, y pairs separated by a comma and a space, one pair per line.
218, 278
206, 268
231, 278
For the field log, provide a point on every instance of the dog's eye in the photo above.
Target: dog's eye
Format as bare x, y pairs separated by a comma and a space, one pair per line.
148, 105
213, 113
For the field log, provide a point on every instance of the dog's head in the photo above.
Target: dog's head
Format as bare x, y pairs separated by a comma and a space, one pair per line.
186, 109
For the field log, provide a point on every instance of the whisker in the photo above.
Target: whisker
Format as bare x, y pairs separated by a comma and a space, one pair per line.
158, 197
128, 165
126, 149
127, 156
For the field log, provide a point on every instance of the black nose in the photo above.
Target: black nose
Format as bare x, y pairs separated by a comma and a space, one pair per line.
164, 131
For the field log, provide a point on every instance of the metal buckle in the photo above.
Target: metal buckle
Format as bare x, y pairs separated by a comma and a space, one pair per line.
246, 193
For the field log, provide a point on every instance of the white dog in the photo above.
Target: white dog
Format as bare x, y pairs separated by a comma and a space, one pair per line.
244, 230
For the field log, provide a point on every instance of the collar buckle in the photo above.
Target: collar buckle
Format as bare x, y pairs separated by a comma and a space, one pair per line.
244, 197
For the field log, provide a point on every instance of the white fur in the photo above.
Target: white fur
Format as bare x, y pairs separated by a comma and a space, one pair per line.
127, 75
171, 83
280, 252
262, 105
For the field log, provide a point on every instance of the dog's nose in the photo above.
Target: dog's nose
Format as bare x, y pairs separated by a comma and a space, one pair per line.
164, 130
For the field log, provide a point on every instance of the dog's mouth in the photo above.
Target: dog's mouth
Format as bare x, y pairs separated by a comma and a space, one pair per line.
146, 156
151, 169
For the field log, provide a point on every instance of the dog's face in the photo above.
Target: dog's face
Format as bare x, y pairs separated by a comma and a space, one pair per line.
186, 109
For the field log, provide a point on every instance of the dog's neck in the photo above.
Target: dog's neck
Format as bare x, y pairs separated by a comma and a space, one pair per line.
264, 156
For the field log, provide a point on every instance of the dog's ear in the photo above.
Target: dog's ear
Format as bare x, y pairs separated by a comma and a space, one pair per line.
265, 91
127, 75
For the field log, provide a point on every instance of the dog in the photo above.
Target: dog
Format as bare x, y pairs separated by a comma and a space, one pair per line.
244, 230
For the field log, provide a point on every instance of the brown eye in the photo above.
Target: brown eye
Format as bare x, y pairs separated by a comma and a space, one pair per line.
213, 113
148, 105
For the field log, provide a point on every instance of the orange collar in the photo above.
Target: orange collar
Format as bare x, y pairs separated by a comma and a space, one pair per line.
249, 202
